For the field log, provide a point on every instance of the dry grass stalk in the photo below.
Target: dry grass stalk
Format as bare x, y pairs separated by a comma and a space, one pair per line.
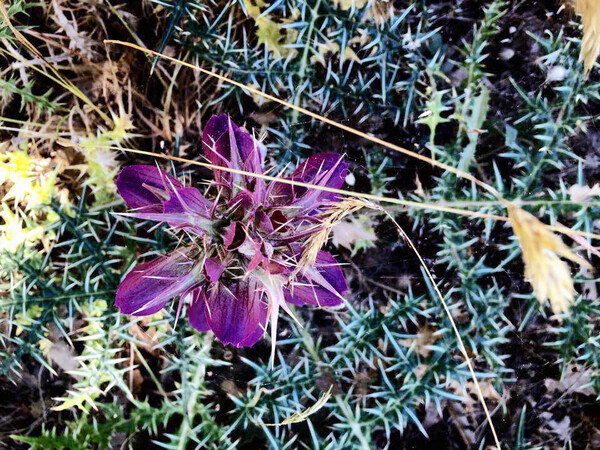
549, 276
589, 10
348, 129
376, 198
306, 112
53, 74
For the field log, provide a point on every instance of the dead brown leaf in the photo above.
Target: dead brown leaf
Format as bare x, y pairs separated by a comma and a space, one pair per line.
355, 231
422, 342
579, 193
577, 379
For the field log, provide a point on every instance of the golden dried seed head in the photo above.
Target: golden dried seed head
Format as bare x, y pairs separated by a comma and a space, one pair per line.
589, 10
549, 276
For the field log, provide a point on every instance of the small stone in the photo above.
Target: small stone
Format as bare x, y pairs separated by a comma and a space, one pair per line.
556, 73
507, 53
350, 179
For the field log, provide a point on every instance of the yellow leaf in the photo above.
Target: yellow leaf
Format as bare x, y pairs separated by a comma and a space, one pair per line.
301, 416
271, 33
334, 48
16, 232
345, 5
78, 399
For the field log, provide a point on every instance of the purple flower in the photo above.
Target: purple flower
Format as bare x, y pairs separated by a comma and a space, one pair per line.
247, 238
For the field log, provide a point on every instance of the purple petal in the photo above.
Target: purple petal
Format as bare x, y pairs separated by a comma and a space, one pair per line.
330, 167
187, 208
236, 313
213, 269
241, 203
225, 144
263, 222
250, 340
197, 311
145, 187
149, 286
322, 285
234, 236
323, 169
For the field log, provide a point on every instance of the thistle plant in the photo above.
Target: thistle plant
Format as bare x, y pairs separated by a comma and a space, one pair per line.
247, 249
245, 259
